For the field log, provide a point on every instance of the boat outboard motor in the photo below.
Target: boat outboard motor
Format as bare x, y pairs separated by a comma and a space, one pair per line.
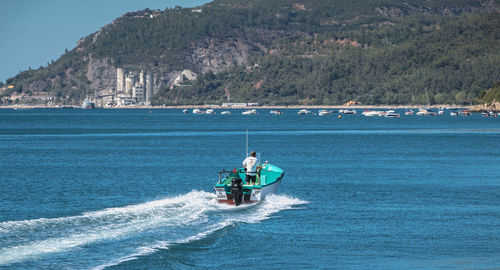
237, 190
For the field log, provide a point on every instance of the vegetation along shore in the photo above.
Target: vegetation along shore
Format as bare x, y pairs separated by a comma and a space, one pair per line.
279, 53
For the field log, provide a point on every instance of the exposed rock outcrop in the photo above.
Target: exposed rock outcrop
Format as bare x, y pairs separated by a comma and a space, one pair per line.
494, 106
101, 73
214, 55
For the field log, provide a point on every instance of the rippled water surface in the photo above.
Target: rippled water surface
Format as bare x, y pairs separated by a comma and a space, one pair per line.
128, 189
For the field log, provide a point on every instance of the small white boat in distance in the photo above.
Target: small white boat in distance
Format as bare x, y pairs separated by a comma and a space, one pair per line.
409, 112
88, 104
489, 114
425, 112
453, 113
276, 112
185, 111
210, 111
303, 111
391, 113
198, 111
373, 113
464, 113
247, 112
323, 112
349, 112
225, 112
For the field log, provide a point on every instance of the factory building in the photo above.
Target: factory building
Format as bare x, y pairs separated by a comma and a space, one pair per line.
129, 83
120, 80
132, 88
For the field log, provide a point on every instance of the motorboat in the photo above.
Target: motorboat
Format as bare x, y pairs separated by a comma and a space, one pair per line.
391, 113
233, 189
465, 113
247, 112
210, 111
276, 112
453, 113
426, 112
225, 112
373, 113
489, 114
422, 112
349, 112
198, 111
323, 112
185, 111
303, 111
87, 104
409, 112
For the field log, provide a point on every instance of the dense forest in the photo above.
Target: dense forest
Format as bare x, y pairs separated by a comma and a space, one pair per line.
417, 64
295, 52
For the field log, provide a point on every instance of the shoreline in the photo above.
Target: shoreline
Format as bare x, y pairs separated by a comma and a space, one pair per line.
356, 107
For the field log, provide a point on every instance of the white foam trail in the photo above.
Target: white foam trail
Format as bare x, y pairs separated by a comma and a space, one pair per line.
40, 237
130, 211
112, 223
272, 204
142, 251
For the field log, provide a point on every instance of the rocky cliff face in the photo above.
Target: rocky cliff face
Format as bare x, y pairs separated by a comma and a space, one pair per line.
494, 106
215, 55
101, 74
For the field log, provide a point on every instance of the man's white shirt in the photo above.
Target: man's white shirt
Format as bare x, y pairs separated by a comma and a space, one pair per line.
250, 163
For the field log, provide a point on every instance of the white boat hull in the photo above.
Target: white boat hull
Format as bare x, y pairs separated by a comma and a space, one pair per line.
258, 193
264, 191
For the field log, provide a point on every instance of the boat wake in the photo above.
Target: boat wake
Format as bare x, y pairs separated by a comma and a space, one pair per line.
111, 236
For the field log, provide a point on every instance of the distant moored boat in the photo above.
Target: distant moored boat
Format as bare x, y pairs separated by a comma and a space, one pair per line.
391, 113
373, 113
87, 104
303, 111
323, 112
252, 111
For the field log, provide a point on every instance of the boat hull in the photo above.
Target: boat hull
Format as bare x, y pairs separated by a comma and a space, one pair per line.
268, 182
257, 194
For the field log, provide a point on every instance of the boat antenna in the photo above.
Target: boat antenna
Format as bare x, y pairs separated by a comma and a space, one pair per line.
247, 142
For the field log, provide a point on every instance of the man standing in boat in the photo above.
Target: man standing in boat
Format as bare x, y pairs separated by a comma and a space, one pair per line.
250, 165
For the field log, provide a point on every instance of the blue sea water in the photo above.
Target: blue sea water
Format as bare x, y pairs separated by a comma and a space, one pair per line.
133, 189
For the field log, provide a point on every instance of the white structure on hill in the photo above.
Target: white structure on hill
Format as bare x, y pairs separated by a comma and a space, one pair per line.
141, 77
120, 80
185, 75
133, 88
129, 83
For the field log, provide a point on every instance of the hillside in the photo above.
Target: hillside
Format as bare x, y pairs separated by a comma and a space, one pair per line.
288, 52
